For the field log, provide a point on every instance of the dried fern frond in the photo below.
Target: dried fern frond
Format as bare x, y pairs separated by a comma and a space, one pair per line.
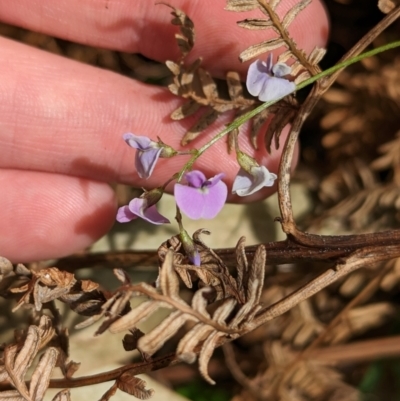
19, 357
196, 84
363, 111
303, 65
208, 328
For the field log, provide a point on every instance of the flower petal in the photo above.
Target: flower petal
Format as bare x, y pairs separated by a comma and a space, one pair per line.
124, 215
195, 178
275, 88
199, 203
137, 142
247, 184
145, 161
138, 206
256, 77
214, 180
152, 216
242, 183
281, 69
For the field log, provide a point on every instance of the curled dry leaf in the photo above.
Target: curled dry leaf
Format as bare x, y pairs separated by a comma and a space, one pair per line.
130, 384
186, 38
18, 358
63, 395
241, 5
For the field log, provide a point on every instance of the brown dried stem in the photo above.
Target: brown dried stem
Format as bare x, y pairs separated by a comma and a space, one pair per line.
288, 223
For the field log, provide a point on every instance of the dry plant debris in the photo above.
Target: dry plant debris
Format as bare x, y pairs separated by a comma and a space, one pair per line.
275, 323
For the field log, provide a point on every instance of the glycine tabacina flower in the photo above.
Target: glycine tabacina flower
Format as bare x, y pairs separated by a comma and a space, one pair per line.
201, 198
265, 80
148, 153
251, 176
143, 207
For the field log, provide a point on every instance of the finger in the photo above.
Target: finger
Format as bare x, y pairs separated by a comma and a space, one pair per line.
47, 215
142, 26
64, 117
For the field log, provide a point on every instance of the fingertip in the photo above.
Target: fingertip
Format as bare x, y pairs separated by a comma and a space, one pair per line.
49, 215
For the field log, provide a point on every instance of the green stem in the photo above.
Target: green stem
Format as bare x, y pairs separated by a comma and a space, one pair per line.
246, 117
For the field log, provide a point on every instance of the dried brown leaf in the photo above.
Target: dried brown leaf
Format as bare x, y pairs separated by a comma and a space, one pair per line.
256, 23
11, 395
224, 310
204, 121
130, 384
241, 5
206, 353
186, 39
257, 122
173, 67
316, 55
129, 341
15, 372
63, 395
297, 67
391, 155
285, 56
6, 267
276, 126
208, 84
135, 316
155, 339
293, 12
186, 110
234, 85
242, 264
54, 277
41, 376
185, 276
190, 340
121, 275
274, 3
17, 364
255, 281
168, 279
259, 48
199, 302
302, 77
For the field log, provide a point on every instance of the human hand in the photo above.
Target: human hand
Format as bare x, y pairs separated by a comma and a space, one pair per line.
61, 122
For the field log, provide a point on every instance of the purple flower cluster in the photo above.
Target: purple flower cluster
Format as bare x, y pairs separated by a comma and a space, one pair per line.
197, 196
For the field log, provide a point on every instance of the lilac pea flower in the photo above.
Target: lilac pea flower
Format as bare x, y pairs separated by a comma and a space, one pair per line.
251, 176
147, 154
265, 80
248, 183
143, 207
201, 198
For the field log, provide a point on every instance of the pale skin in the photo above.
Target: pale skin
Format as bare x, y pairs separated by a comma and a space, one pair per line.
61, 122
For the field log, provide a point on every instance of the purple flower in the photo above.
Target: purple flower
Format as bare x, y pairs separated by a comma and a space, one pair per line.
143, 207
247, 183
201, 198
251, 176
148, 152
265, 80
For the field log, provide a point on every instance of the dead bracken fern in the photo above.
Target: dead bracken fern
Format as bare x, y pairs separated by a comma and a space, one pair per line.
304, 66
196, 84
288, 314
202, 91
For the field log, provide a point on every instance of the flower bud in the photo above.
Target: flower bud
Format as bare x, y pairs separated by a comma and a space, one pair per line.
190, 248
